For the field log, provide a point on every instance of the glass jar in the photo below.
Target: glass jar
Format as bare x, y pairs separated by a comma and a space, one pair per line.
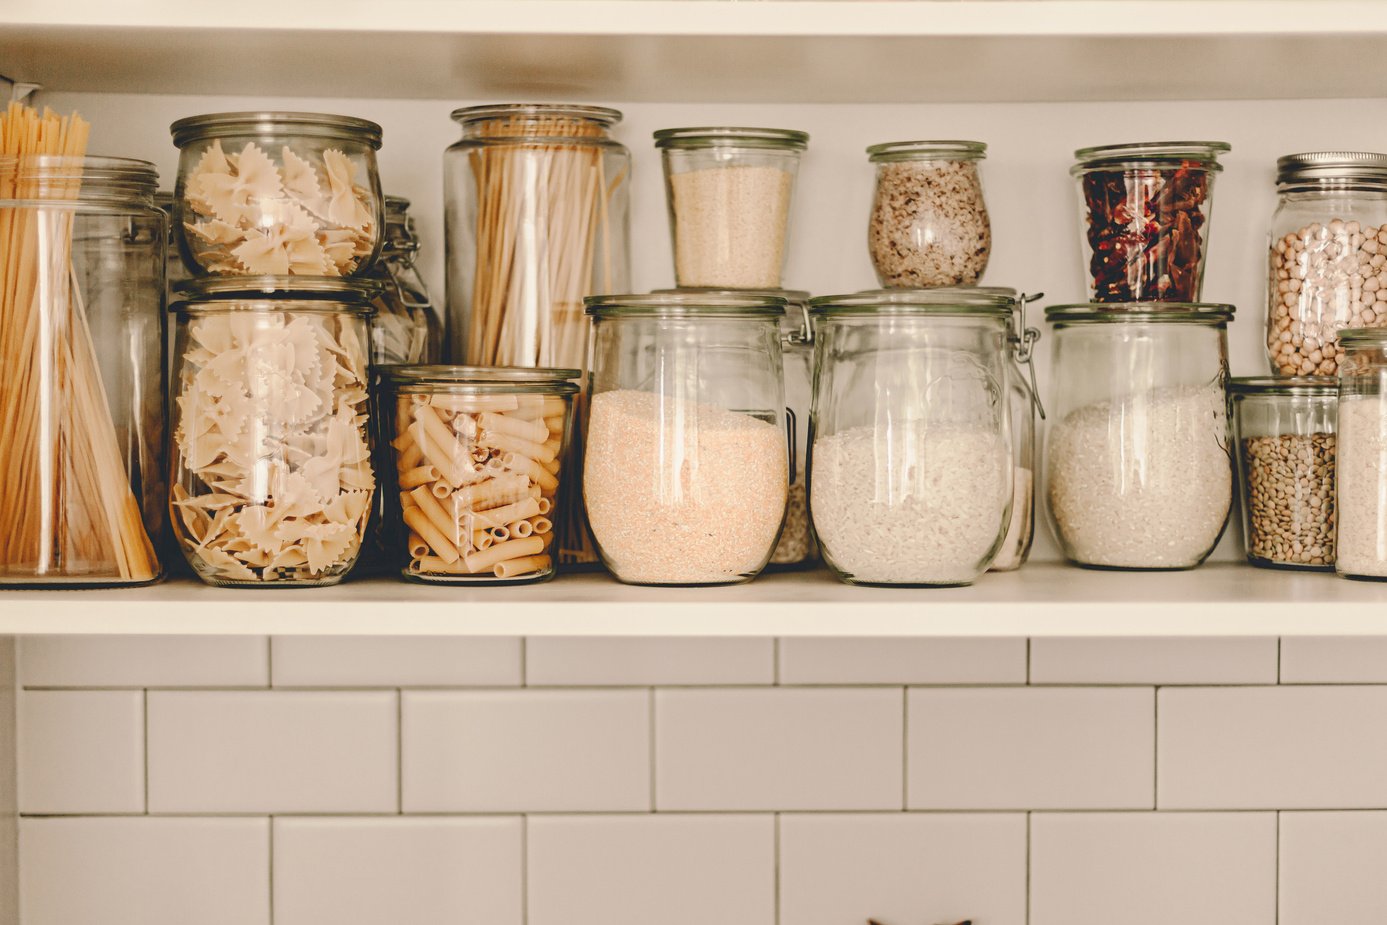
1284, 431
174, 270
1024, 404
277, 193
929, 224
910, 466
1145, 210
685, 476
729, 193
1139, 472
476, 454
271, 471
81, 434
406, 328
1361, 473
1327, 261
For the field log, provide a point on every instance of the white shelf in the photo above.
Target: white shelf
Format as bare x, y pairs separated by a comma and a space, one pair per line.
1041, 600
697, 50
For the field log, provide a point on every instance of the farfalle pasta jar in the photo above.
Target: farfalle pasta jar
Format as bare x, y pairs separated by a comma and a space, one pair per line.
277, 193
271, 478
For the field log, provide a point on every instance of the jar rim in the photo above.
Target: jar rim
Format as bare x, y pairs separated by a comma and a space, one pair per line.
1345, 166
1203, 154
948, 150
1351, 338
353, 293
493, 377
1141, 312
318, 124
90, 178
601, 115
1309, 386
955, 300
791, 296
685, 304
730, 136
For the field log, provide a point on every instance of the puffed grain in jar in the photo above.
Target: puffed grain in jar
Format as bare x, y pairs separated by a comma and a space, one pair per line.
1361, 473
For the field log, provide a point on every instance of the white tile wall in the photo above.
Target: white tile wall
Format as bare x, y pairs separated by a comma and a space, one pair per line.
1140, 660
504, 751
1332, 868
831, 660
748, 748
616, 661
1272, 748
424, 871
144, 661
1333, 660
396, 661
1031, 748
81, 752
652, 870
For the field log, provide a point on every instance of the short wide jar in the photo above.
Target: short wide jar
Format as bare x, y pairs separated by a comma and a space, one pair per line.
1361, 473
686, 476
1139, 473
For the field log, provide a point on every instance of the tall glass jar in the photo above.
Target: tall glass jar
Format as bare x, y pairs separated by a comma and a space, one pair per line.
407, 327
685, 476
1361, 476
929, 224
1145, 209
1025, 406
1139, 473
271, 472
910, 455
1327, 260
81, 334
729, 192
1284, 431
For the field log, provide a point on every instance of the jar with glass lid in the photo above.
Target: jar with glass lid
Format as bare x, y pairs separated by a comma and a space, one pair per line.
1327, 261
686, 474
910, 455
407, 327
271, 479
1284, 429
1138, 469
1361, 470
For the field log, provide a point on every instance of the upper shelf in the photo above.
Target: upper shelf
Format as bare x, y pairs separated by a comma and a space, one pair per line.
697, 50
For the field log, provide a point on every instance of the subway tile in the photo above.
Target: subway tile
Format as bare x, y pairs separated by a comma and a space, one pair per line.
638, 870
402, 871
616, 661
902, 868
1154, 660
1332, 868
1272, 748
526, 751
1153, 868
141, 871
396, 661
272, 752
1031, 748
1334, 660
81, 752
839, 660
144, 661
776, 748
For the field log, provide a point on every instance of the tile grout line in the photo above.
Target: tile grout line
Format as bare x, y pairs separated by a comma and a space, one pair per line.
1155, 749
776, 872
1029, 641
524, 661
269, 662
1276, 886
905, 749
399, 751
524, 869
1280, 641
650, 721
775, 661
270, 834
144, 698
1029, 860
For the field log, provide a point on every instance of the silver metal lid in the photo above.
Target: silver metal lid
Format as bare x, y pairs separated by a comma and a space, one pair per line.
316, 124
1315, 166
731, 137
1308, 386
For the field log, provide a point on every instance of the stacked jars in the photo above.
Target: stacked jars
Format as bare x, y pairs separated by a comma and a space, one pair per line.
279, 218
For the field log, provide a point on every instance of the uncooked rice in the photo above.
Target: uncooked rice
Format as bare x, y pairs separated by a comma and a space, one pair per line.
729, 226
1361, 463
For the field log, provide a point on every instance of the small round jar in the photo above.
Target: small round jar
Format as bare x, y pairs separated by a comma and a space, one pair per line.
1327, 261
1145, 210
271, 472
1138, 468
1284, 431
686, 475
407, 327
910, 465
476, 456
929, 224
1361, 471
729, 192
277, 193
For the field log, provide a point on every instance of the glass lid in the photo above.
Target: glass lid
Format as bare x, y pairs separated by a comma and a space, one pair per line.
1312, 386
685, 304
1140, 312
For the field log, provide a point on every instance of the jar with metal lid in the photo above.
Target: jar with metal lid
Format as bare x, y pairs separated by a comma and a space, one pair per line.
82, 428
271, 472
407, 327
1145, 210
476, 454
1327, 261
729, 192
910, 454
277, 193
929, 224
1284, 431
686, 474
1361, 470
1139, 472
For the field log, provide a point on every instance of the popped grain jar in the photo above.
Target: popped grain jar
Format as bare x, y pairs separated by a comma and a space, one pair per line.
1284, 432
929, 224
1327, 261
910, 455
407, 327
1361, 472
475, 460
1138, 469
271, 473
686, 475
